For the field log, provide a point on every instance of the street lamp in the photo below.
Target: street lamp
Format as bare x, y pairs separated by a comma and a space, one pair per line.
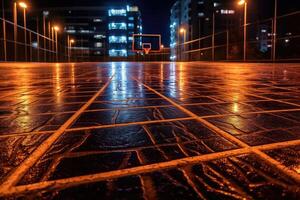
56, 29
243, 2
70, 42
183, 31
274, 32
45, 14
4, 31
15, 14
24, 6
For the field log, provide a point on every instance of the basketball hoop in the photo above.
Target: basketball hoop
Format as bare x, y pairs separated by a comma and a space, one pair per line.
147, 48
146, 43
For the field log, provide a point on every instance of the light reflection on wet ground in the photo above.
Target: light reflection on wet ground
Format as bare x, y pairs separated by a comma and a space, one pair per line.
150, 131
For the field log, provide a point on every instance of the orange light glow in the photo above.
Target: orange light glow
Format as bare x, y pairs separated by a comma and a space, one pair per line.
241, 2
23, 5
56, 28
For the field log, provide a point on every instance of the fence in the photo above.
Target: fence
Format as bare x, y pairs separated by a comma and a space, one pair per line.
23, 44
229, 45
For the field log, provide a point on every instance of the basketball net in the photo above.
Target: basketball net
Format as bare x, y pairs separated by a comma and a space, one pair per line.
147, 50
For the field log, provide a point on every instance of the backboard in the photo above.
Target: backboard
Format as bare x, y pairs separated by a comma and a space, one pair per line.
146, 43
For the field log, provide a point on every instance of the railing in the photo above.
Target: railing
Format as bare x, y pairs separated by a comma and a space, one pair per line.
229, 45
18, 43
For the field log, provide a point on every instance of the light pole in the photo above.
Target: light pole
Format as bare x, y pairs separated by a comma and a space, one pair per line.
70, 41
244, 2
274, 32
45, 14
52, 38
15, 29
213, 37
183, 31
4, 32
24, 6
56, 29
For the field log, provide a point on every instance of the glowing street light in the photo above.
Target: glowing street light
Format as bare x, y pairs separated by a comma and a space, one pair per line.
45, 14
24, 6
56, 29
243, 2
183, 31
70, 42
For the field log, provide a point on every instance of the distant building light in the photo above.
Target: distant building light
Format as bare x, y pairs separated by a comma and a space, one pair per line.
131, 25
117, 26
118, 52
98, 20
34, 44
71, 31
117, 12
98, 44
227, 12
132, 9
45, 13
263, 30
117, 39
200, 14
287, 40
84, 31
216, 4
99, 36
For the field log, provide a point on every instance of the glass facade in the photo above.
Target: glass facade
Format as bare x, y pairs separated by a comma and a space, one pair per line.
122, 24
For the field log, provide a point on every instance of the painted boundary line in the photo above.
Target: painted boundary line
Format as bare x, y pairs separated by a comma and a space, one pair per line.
293, 175
19, 172
80, 180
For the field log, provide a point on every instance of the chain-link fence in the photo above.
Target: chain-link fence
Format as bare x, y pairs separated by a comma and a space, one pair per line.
261, 43
19, 43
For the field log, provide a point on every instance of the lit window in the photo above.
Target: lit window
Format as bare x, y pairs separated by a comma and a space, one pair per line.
97, 20
118, 53
131, 25
114, 12
132, 9
71, 31
200, 14
99, 36
98, 44
117, 39
227, 12
119, 26
130, 18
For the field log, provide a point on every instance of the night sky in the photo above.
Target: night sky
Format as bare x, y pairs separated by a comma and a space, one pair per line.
156, 13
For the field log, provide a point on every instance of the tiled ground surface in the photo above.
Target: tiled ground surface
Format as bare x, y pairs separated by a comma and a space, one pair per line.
150, 131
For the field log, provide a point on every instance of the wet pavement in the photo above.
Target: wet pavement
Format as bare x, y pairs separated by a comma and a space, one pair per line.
150, 131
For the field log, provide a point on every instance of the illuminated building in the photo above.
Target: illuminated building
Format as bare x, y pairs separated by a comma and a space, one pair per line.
123, 22
195, 16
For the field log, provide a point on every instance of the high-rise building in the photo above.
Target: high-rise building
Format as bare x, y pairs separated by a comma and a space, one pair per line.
123, 22
87, 26
195, 17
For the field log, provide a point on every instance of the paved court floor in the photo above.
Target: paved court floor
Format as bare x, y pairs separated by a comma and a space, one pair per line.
150, 131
